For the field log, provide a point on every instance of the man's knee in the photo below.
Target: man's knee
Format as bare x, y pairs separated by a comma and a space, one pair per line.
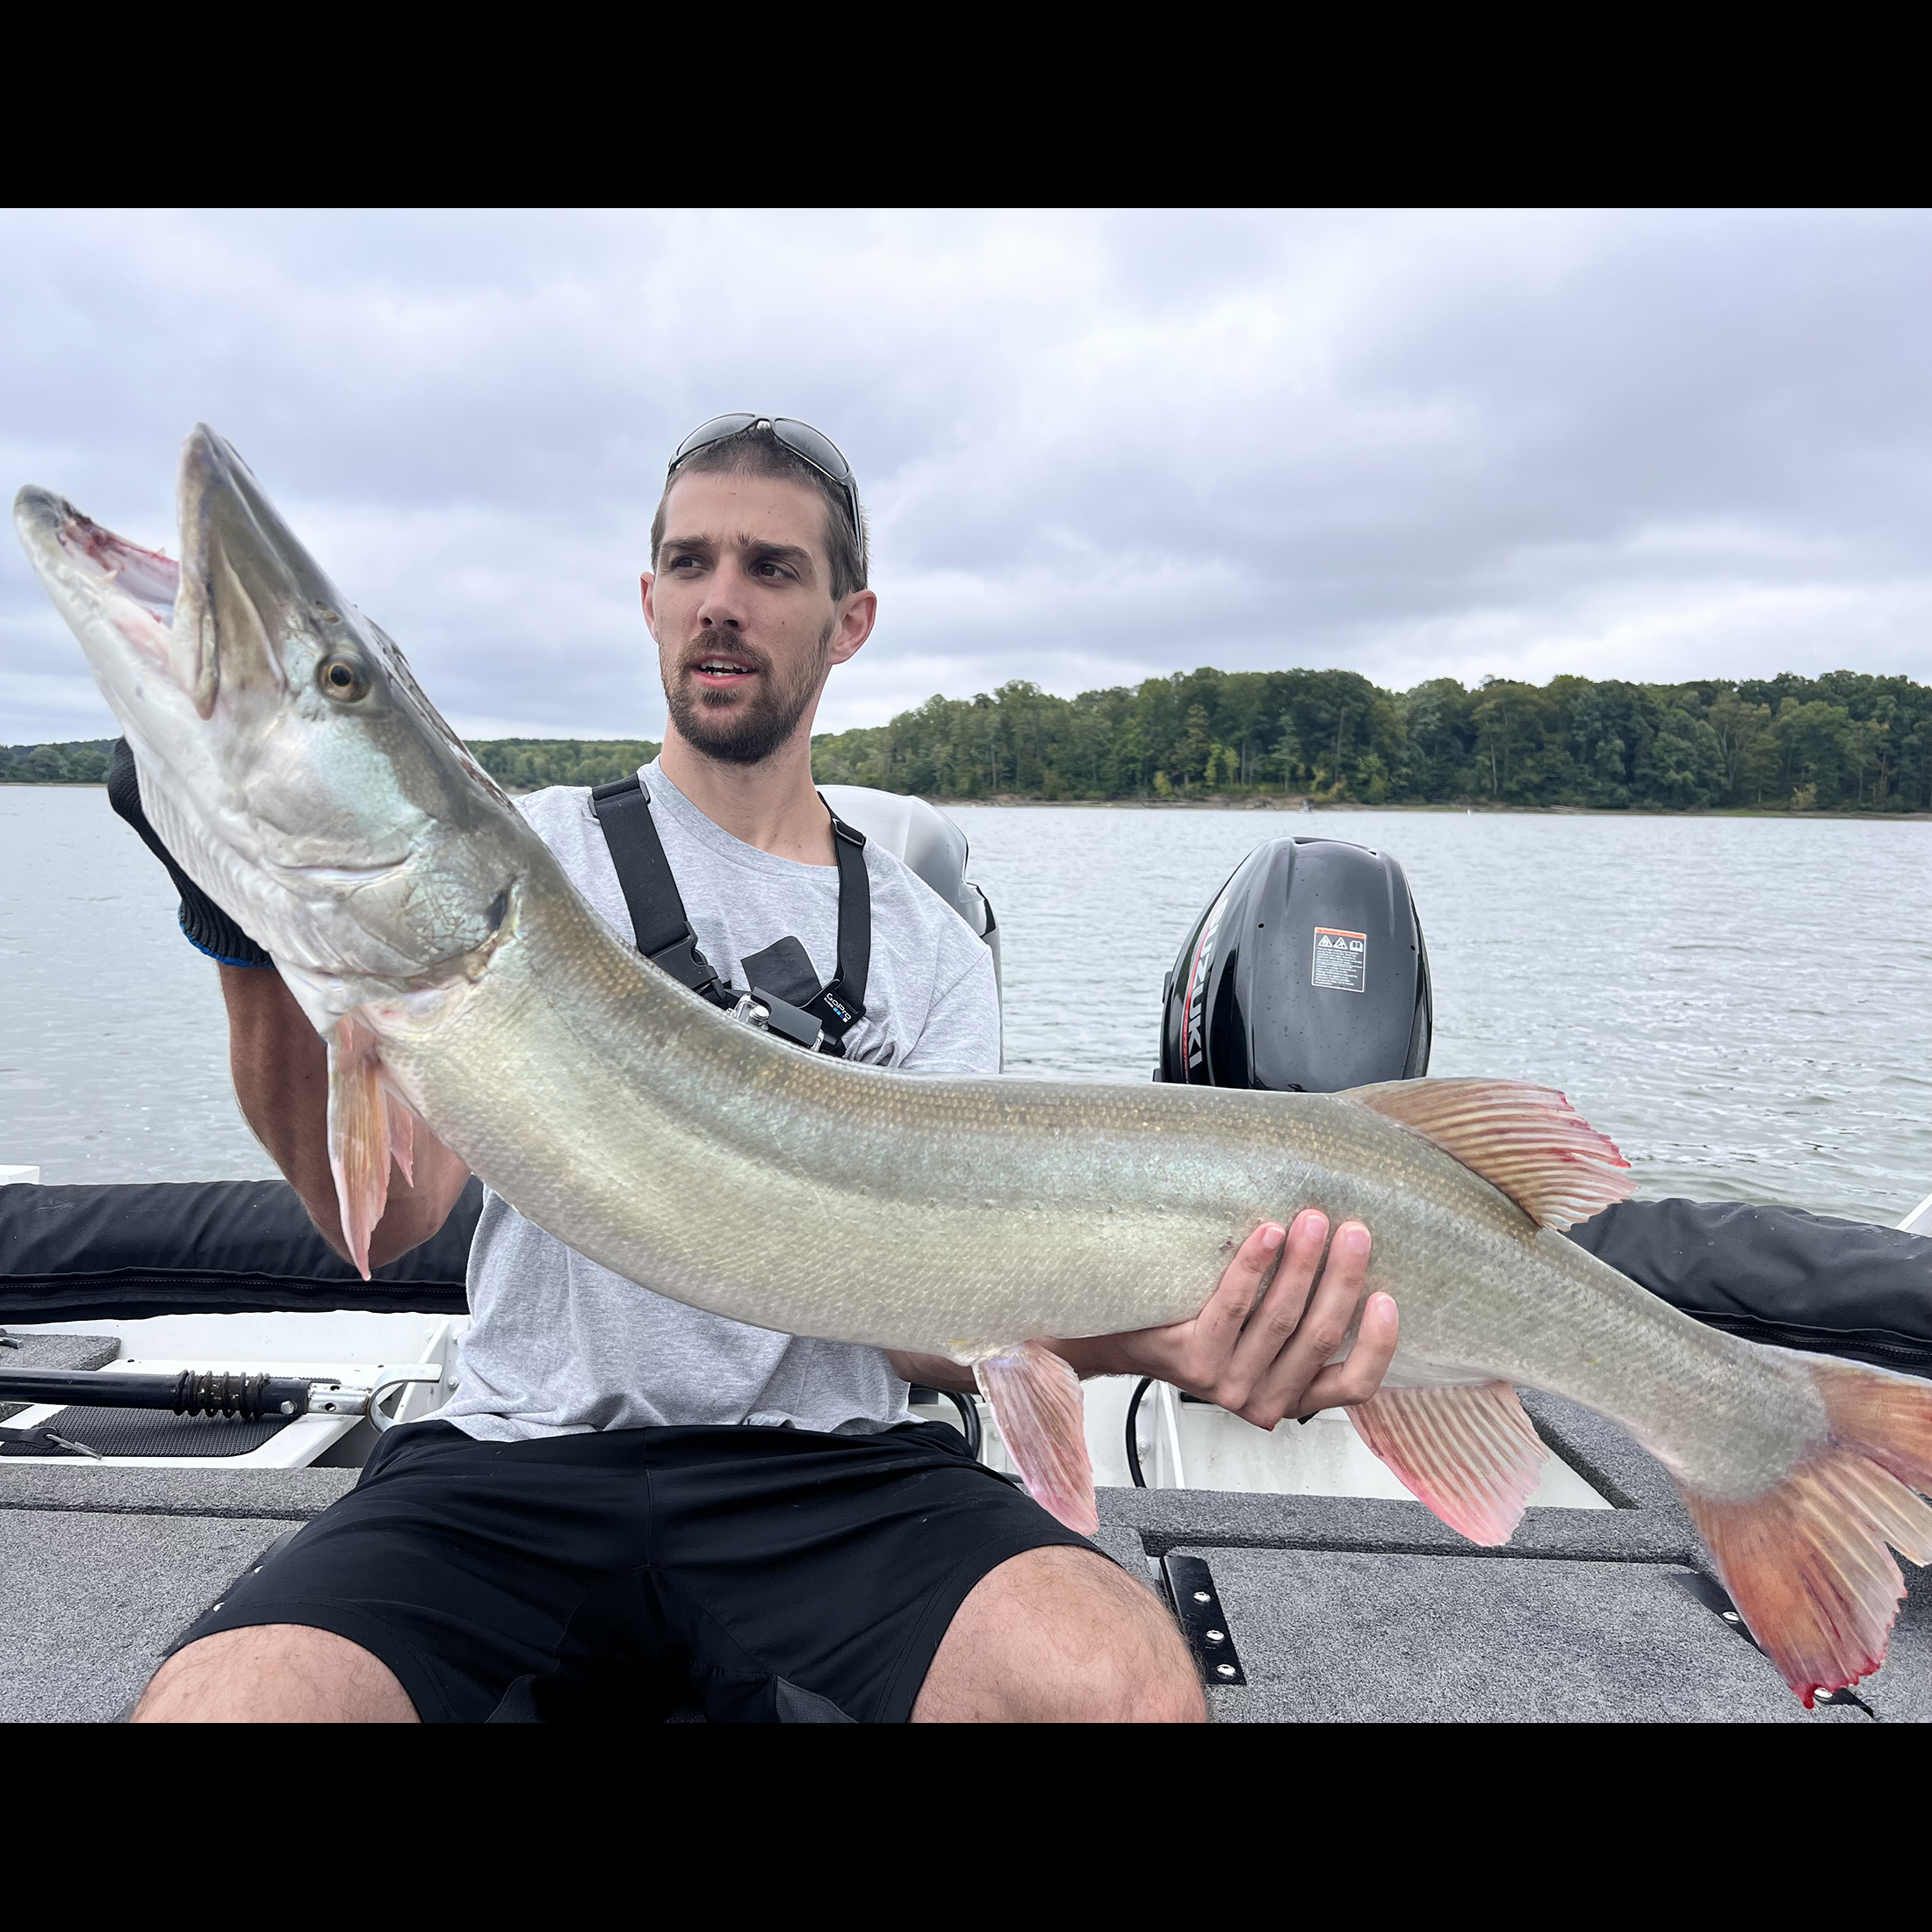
1151, 1683
1062, 1635
1145, 1673
274, 1674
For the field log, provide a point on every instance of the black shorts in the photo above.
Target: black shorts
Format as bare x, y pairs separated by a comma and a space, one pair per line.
765, 1575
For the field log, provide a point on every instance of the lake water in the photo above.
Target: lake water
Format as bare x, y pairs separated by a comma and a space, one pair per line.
1745, 1006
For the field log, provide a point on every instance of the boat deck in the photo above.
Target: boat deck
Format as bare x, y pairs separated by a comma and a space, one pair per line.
1357, 1607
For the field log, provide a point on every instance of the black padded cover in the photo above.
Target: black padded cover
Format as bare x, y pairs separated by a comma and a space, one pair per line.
1778, 1275
230, 1247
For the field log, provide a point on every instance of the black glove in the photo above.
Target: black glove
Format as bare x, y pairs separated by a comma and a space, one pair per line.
209, 929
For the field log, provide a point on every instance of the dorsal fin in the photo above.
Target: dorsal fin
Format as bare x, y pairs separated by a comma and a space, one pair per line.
1527, 1141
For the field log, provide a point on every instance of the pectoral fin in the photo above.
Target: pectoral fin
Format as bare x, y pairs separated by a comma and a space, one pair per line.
1469, 1452
1041, 1414
359, 1131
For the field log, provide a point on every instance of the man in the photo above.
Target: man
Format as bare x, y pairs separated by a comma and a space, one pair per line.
628, 1503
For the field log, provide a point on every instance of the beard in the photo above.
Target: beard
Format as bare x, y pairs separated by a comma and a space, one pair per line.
738, 730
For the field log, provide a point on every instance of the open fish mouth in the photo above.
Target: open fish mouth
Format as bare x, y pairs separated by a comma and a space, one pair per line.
148, 578
135, 588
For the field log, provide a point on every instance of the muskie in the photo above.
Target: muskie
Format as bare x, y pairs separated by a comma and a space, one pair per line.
289, 760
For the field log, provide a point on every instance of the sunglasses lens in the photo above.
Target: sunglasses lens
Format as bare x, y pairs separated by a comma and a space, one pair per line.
819, 450
714, 431
800, 438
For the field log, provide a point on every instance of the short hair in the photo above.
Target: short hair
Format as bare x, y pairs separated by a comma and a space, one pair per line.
756, 452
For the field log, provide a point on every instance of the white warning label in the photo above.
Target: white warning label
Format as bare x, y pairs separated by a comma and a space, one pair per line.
1341, 960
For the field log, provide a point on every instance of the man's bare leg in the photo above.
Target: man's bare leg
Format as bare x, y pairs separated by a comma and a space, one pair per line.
1063, 1636
275, 1674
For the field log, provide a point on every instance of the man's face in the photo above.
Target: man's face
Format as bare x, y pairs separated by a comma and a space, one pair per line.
742, 610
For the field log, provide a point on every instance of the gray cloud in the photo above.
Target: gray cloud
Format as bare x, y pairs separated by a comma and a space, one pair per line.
1094, 447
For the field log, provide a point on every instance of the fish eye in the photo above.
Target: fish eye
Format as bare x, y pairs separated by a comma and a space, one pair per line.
341, 679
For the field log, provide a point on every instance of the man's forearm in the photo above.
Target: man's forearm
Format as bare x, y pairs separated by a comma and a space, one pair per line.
929, 1371
280, 1068
1090, 1355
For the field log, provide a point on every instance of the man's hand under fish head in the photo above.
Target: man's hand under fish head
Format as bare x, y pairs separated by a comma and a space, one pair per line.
1262, 1348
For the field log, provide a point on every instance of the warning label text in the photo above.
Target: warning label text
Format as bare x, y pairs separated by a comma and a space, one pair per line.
1341, 960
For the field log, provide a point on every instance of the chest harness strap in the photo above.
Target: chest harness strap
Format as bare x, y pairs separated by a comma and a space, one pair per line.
664, 934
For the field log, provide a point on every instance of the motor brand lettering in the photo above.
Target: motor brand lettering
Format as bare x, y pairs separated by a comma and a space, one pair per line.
1197, 984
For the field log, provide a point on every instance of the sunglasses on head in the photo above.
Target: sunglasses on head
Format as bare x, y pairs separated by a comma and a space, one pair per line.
809, 445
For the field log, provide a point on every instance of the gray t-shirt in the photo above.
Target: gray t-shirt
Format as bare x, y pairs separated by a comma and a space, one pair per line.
557, 1344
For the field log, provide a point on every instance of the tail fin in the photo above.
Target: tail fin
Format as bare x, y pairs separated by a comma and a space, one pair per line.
1806, 1561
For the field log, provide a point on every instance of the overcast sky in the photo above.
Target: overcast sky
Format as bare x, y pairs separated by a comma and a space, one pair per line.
1093, 447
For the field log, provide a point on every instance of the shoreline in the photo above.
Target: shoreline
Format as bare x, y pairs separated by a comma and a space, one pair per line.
1291, 806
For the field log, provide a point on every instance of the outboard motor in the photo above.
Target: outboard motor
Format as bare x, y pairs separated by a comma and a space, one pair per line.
1307, 973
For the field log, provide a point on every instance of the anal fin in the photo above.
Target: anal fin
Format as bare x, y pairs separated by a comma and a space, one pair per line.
1036, 1401
359, 1129
1469, 1452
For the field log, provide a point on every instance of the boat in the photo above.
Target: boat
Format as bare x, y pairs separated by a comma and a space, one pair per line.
1311, 1586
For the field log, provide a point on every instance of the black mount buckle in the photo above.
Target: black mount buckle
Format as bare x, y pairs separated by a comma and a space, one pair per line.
685, 964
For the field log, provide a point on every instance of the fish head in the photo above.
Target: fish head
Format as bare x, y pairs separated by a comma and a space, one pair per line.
287, 757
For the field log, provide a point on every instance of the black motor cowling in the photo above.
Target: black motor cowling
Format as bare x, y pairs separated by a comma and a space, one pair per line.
1306, 974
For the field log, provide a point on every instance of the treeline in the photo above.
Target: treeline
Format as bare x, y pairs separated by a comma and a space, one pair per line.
1843, 741
83, 762
528, 764
518, 764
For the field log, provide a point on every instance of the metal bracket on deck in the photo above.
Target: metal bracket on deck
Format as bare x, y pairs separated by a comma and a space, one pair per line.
1197, 1604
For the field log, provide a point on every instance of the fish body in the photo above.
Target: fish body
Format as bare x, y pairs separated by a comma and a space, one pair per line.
301, 778
953, 1216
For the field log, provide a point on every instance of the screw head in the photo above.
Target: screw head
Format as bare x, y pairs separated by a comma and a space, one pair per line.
1216, 1636
1201, 1596
1731, 1617
1224, 1670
